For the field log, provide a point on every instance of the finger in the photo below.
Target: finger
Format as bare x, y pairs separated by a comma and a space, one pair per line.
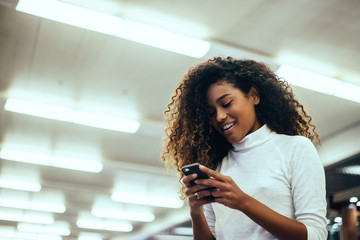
203, 197
208, 183
196, 188
212, 173
216, 193
186, 180
205, 193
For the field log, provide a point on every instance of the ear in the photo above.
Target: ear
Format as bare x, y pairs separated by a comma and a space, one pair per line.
254, 94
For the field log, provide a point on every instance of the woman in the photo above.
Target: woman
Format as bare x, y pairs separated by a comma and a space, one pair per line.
254, 140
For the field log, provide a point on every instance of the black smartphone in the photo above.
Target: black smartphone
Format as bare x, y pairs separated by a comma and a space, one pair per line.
194, 168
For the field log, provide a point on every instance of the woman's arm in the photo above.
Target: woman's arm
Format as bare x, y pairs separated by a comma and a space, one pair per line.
229, 194
201, 230
275, 223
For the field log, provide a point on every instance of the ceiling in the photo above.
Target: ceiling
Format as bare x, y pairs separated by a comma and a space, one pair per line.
50, 62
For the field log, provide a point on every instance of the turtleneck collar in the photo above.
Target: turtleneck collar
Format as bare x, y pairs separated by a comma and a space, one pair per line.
253, 139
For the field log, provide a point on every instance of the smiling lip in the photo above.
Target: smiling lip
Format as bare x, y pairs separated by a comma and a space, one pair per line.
226, 127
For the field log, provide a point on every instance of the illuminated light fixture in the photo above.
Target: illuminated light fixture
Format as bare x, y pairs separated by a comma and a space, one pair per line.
71, 115
338, 220
171, 237
112, 25
353, 170
151, 200
353, 199
49, 201
86, 165
134, 215
319, 83
87, 221
89, 236
185, 231
10, 233
20, 185
358, 204
104, 207
17, 215
143, 189
58, 228
166, 40
18, 178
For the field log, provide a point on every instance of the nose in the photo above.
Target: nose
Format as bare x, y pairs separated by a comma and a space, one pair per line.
220, 116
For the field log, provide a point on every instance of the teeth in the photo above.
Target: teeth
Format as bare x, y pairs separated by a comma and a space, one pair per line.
227, 126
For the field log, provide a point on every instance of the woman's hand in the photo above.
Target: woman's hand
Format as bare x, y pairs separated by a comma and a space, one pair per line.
198, 194
225, 191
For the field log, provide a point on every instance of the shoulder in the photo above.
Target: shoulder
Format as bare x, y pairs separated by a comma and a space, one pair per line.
295, 149
294, 142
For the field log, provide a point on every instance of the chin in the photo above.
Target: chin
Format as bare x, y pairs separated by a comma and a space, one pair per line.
232, 140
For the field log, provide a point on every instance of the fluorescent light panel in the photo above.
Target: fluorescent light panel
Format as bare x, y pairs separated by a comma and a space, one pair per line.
19, 155
20, 185
87, 221
171, 237
147, 189
125, 215
18, 215
10, 233
146, 199
71, 115
166, 40
51, 201
58, 228
319, 83
112, 25
104, 207
19, 178
187, 231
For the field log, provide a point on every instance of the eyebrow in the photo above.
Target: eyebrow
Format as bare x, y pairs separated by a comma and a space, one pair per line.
222, 97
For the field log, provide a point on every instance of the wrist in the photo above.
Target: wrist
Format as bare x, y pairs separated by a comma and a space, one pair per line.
196, 211
245, 203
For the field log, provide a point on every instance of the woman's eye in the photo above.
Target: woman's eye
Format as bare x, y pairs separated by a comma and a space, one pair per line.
227, 104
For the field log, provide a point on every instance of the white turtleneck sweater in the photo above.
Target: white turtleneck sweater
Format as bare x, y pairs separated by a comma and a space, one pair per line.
284, 173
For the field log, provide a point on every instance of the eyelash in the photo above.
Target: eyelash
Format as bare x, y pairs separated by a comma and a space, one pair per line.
211, 114
227, 104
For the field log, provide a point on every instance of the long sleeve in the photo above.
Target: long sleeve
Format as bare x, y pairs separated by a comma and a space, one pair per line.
210, 218
308, 189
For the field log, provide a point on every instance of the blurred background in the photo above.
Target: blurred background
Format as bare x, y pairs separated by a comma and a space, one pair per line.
83, 88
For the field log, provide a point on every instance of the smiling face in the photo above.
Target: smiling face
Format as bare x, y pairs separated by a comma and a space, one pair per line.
232, 112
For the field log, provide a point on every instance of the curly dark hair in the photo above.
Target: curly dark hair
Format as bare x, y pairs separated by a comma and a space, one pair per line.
189, 135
